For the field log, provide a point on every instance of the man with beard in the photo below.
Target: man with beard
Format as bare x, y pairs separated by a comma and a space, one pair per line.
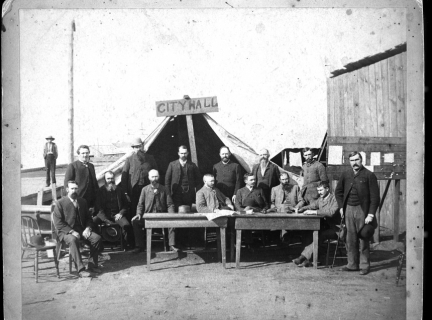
50, 155
83, 172
112, 207
286, 197
182, 178
313, 172
135, 173
228, 175
327, 206
358, 195
266, 174
72, 220
209, 198
154, 198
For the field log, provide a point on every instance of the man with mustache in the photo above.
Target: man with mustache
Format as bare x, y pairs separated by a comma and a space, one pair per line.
357, 194
266, 174
228, 175
154, 198
72, 220
313, 172
209, 198
112, 206
135, 173
286, 197
83, 172
250, 197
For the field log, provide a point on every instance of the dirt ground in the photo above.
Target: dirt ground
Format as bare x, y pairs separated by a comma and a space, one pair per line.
195, 286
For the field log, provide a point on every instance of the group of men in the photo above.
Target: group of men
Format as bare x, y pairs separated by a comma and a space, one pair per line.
267, 189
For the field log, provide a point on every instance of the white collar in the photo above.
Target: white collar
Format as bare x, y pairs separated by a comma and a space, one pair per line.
250, 188
73, 200
182, 163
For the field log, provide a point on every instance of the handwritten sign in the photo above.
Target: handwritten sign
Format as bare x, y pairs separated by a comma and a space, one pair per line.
186, 106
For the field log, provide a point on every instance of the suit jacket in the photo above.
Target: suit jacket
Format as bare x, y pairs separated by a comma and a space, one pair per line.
329, 208
278, 196
78, 171
64, 216
254, 198
54, 150
102, 199
134, 168
173, 174
229, 177
147, 198
206, 201
271, 173
367, 189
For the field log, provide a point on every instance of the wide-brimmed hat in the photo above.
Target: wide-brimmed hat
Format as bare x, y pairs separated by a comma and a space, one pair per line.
184, 209
37, 241
367, 231
136, 142
111, 233
50, 137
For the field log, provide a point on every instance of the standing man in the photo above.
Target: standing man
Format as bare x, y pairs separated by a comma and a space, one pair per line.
135, 173
286, 197
72, 220
209, 198
228, 175
83, 172
183, 178
266, 174
112, 207
154, 198
313, 172
50, 155
357, 193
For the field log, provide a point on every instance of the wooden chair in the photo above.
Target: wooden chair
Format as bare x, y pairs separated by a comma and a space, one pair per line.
30, 228
338, 245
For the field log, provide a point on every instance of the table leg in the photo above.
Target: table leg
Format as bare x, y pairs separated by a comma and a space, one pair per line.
218, 244
232, 231
149, 238
238, 248
315, 249
223, 246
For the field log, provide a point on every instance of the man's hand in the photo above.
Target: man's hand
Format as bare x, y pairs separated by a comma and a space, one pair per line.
342, 213
264, 211
369, 218
247, 208
137, 217
314, 212
233, 198
118, 216
231, 206
302, 209
76, 234
86, 233
91, 210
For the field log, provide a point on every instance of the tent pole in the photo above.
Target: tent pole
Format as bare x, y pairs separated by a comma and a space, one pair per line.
191, 135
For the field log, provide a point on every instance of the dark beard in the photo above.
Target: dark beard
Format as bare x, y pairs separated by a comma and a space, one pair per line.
111, 187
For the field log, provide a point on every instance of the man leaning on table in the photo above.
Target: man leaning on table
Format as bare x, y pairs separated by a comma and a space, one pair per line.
327, 206
286, 197
209, 198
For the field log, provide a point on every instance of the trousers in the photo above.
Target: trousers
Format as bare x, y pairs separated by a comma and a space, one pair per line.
322, 236
358, 255
50, 164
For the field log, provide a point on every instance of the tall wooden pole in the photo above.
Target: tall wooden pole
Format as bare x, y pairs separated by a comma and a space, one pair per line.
191, 135
71, 105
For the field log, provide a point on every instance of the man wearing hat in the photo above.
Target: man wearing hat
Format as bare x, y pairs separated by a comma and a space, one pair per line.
50, 155
313, 172
73, 221
357, 193
154, 198
83, 172
209, 198
135, 173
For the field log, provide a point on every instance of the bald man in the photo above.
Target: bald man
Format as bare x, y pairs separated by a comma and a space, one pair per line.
266, 174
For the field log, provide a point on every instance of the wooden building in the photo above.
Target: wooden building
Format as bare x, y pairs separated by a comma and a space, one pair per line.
367, 113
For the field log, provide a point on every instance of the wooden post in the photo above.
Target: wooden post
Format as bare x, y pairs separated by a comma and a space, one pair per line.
191, 135
70, 110
39, 198
396, 211
53, 192
376, 235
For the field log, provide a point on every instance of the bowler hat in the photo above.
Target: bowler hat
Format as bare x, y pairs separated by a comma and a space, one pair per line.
110, 233
50, 137
37, 241
184, 209
136, 142
367, 231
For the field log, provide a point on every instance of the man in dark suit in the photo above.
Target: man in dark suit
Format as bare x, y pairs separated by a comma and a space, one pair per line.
50, 155
183, 179
250, 197
83, 172
112, 207
266, 174
72, 220
228, 175
357, 193
135, 173
154, 198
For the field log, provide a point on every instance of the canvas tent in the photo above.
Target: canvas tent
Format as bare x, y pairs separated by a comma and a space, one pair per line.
163, 144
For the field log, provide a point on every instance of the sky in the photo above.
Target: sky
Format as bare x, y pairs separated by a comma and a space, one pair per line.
267, 67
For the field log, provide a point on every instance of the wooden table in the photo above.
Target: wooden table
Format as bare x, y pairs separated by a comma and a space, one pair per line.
275, 221
182, 220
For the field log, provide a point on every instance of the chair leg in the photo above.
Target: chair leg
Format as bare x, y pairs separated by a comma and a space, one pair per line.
205, 238
328, 252
56, 263
36, 265
164, 240
70, 263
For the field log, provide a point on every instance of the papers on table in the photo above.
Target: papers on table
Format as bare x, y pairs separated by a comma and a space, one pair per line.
335, 155
220, 213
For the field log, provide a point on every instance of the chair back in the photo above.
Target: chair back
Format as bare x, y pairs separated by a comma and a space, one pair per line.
54, 235
29, 228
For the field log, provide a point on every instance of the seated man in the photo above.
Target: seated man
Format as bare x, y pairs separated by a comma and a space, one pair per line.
249, 197
209, 198
72, 220
112, 207
154, 198
325, 205
286, 197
